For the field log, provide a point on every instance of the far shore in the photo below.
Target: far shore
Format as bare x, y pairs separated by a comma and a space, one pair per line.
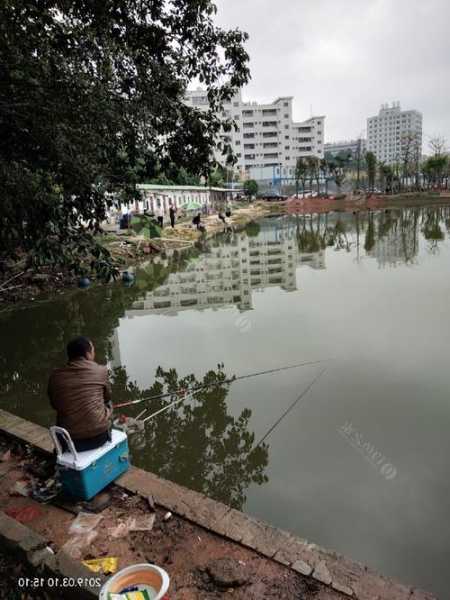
128, 249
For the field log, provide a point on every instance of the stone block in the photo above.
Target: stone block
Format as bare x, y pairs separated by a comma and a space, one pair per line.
303, 568
345, 571
262, 537
40, 557
321, 573
372, 586
17, 537
342, 588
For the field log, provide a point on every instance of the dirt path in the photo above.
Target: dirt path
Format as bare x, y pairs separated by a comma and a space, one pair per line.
201, 565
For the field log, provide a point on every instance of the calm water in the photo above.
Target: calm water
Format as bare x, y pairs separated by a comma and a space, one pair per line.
360, 463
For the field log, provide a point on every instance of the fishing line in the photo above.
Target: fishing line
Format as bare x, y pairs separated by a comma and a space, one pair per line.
288, 410
218, 383
161, 410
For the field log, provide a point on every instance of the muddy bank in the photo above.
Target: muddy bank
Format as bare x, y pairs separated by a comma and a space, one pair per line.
362, 202
127, 249
202, 565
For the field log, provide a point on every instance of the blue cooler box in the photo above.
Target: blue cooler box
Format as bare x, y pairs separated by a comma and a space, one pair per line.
85, 474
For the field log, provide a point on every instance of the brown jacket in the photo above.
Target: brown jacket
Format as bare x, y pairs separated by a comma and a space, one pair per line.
78, 392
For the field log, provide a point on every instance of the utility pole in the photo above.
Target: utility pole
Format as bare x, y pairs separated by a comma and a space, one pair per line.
358, 164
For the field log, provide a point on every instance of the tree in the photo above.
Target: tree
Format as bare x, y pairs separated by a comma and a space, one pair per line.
409, 157
338, 168
313, 165
371, 162
438, 145
435, 170
386, 177
250, 188
301, 174
323, 166
92, 103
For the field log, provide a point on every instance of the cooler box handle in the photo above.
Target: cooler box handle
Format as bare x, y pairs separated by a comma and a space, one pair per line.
66, 435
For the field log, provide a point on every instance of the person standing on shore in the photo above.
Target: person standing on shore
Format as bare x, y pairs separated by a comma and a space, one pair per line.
172, 214
160, 216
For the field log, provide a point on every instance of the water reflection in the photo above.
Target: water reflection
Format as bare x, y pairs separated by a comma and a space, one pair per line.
197, 443
224, 272
230, 268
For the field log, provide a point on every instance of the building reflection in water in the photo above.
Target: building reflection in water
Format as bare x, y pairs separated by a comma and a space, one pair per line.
227, 273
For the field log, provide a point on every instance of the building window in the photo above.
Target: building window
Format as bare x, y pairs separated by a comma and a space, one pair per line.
286, 126
269, 124
249, 135
199, 100
287, 147
286, 116
247, 113
285, 103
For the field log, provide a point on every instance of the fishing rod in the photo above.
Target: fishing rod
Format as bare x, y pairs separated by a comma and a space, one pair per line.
132, 425
288, 410
216, 384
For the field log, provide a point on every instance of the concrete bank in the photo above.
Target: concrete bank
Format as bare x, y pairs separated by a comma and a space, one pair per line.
333, 575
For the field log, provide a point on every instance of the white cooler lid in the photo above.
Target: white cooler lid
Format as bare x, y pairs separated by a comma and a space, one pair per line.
84, 459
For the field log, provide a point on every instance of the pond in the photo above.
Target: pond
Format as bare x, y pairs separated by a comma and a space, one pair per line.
352, 452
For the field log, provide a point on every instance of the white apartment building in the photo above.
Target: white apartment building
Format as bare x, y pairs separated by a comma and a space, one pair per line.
392, 130
267, 141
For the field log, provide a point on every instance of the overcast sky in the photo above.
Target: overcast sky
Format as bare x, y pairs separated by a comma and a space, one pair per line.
344, 58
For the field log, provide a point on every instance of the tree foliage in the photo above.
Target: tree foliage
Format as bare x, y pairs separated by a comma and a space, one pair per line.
371, 162
301, 174
92, 102
250, 187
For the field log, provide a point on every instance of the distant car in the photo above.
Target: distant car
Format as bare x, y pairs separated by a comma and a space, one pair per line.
272, 196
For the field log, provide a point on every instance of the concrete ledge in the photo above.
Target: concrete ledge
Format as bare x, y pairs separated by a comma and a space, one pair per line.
333, 570
32, 549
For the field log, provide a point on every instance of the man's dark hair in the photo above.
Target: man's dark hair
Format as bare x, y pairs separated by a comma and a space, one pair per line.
78, 347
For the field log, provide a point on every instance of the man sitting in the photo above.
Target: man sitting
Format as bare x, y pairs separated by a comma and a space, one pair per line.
81, 395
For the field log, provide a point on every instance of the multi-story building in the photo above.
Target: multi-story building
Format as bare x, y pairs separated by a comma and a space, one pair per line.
351, 147
393, 133
267, 141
